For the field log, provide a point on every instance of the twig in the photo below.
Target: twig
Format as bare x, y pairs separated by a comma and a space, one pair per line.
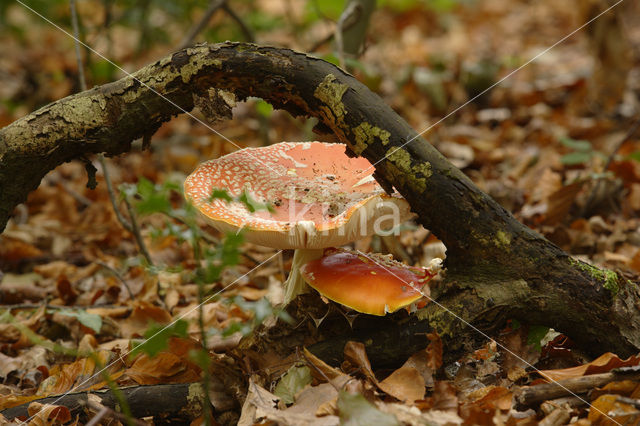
193, 33
112, 196
315, 367
104, 411
131, 226
349, 17
596, 188
532, 395
76, 34
629, 401
559, 416
26, 306
56, 179
246, 31
115, 272
135, 230
345, 26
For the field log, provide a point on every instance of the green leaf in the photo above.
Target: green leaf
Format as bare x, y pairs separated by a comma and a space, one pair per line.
332, 58
157, 337
575, 158
230, 253
442, 6
220, 194
577, 145
634, 156
252, 204
295, 379
536, 334
263, 108
355, 410
93, 321
152, 200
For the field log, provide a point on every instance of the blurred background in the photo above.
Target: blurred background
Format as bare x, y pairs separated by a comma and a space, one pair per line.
555, 142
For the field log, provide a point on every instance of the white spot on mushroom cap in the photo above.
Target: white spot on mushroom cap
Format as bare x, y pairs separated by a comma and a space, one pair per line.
328, 194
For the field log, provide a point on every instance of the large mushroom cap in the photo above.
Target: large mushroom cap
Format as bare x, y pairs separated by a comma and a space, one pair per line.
372, 284
321, 197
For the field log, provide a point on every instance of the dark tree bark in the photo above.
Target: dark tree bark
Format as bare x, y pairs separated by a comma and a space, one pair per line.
497, 268
169, 404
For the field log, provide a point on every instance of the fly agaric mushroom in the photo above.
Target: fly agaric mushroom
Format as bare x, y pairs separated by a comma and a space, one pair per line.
321, 198
372, 284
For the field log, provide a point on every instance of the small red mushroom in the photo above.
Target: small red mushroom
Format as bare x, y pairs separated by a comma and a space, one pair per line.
372, 283
320, 196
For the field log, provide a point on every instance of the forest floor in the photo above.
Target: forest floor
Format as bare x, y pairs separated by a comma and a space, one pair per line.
554, 143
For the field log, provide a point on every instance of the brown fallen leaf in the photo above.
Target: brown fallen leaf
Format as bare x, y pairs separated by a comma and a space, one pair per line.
356, 354
14, 251
623, 387
322, 371
405, 384
312, 398
261, 405
602, 364
65, 290
47, 414
607, 410
421, 362
80, 374
444, 398
485, 403
143, 315
164, 367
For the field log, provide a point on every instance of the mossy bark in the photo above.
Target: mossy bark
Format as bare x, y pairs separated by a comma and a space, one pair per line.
496, 267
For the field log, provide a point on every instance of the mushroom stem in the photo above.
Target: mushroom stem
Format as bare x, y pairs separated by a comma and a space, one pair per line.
296, 284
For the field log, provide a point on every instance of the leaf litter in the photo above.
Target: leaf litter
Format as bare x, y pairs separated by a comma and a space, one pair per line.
73, 277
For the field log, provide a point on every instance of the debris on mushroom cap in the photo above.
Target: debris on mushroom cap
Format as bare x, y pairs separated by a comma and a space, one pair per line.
313, 187
372, 283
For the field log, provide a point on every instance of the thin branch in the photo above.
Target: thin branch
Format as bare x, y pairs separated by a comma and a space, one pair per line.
131, 226
112, 196
104, 413
246, 31
195, 30
348, 18
115, 272
57, 180
135, 230
76, 34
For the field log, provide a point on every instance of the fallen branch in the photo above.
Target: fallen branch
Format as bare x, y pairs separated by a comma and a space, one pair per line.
497, 268
175, 402
533, 395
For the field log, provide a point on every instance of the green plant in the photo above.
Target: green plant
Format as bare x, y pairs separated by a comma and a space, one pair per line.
581, 152
212, 257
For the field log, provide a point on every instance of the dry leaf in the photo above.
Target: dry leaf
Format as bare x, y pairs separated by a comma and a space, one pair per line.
405, 384
46, 414
165, 367
602, 364
606, 410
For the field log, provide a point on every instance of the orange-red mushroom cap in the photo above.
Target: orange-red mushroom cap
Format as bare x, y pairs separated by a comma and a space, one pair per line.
371, 283
321, 197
